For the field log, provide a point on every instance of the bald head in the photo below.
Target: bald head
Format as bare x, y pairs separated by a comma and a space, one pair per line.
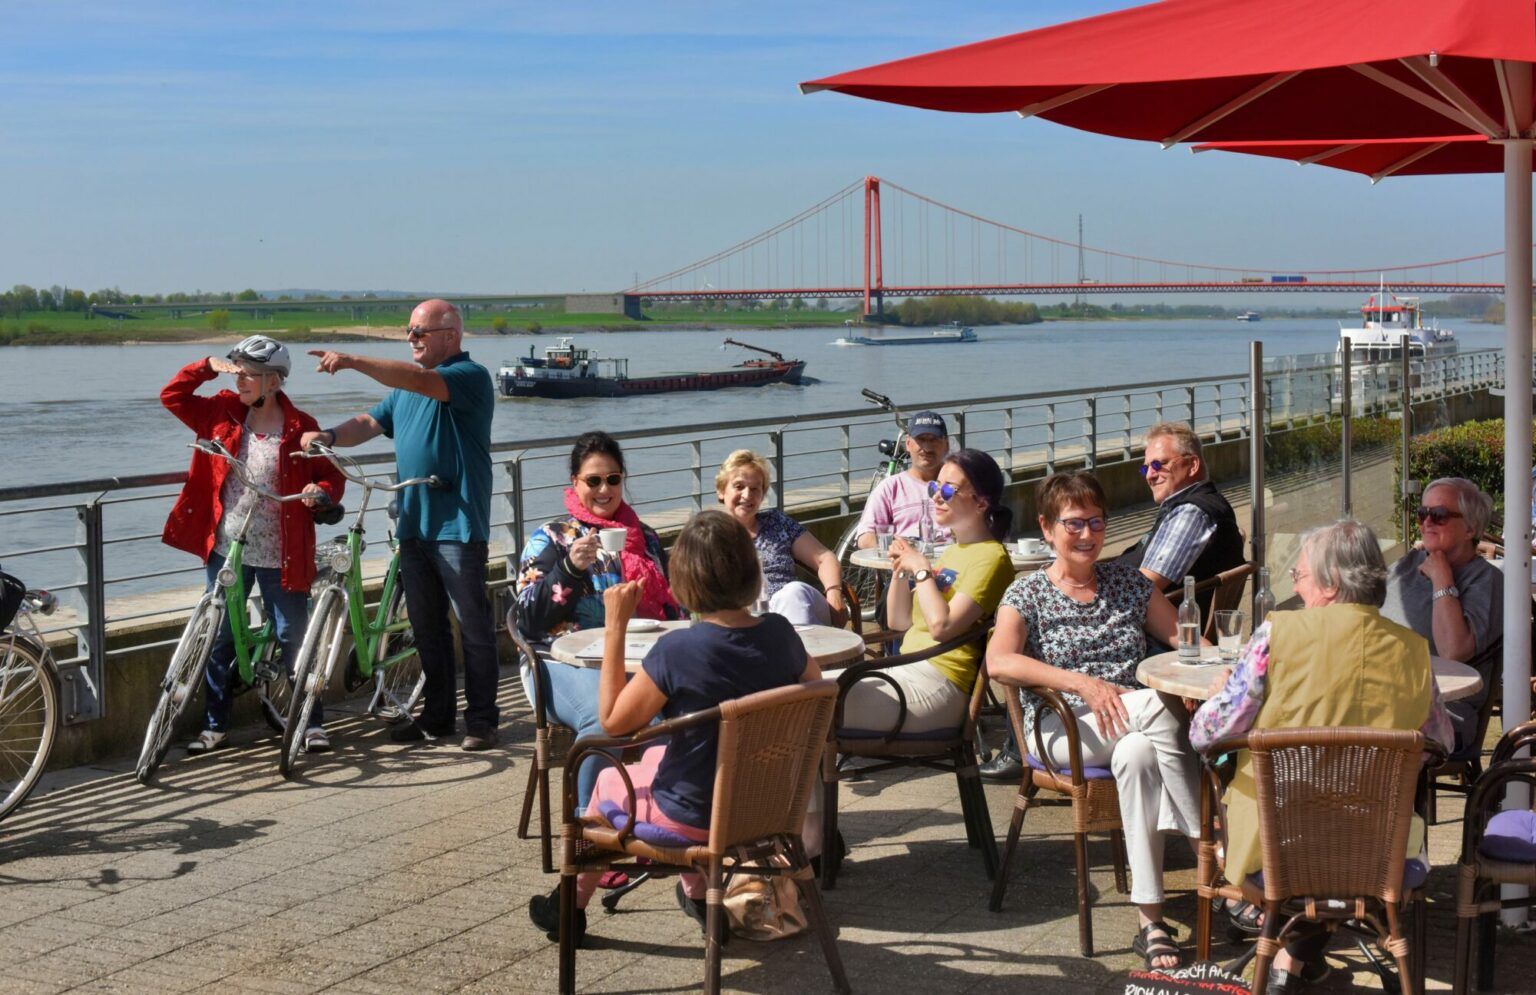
435, 332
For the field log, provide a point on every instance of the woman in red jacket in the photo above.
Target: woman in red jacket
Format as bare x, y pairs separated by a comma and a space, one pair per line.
259, 424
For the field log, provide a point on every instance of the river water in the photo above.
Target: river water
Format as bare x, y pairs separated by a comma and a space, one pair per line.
83, 412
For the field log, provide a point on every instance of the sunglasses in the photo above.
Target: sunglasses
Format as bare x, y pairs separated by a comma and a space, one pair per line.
1437, 515
945, 491
416, 331
1076, 525
595, 481
1158, 466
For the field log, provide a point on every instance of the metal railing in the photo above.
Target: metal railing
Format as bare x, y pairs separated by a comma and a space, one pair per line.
97, 542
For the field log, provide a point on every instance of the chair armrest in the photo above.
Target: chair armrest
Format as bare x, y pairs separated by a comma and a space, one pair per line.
1513, 741
872, 670
1052, 699
1483, 802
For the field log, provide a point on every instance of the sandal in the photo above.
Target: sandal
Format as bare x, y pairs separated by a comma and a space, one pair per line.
612, 879
1154, 941
1244, 919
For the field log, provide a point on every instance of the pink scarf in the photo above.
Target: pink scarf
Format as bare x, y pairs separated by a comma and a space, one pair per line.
656, 599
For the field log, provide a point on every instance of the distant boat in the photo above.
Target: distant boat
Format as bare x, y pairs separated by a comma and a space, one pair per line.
567, 371
1375, 347
948, 335
1249, 316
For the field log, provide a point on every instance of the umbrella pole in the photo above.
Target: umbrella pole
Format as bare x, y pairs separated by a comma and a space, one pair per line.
1517, 448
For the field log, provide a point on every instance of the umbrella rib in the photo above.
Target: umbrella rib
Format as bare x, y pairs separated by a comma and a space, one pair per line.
1444, 86
1326, 154
1062, 99
1418, 96
1235, 104
1408, 160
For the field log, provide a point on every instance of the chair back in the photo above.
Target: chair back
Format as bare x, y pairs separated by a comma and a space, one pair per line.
1334, 807
769, 758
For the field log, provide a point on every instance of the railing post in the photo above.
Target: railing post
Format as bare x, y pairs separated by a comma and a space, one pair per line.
696, 452
1125, 412
1050, 438
960, 429
844, 500
515, 496
1093, 433
778, 469
1160, 405
1189, 404
1008, 440
83, 690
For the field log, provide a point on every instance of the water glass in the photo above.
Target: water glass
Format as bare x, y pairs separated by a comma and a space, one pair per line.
1229, 635
883, 540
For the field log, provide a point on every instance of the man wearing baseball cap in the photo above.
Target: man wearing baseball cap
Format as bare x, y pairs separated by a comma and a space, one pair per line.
901, 503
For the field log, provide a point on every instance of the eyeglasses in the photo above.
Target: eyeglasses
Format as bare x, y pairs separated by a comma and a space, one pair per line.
594, 481
945, 491
247, 375
1076, 525
416, 331
1436, 514
1158, 466
1297, 575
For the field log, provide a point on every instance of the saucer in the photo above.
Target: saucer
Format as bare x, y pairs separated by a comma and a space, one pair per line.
642, 625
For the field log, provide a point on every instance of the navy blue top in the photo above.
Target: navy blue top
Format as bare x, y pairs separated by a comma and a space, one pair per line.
698, 668
451, 439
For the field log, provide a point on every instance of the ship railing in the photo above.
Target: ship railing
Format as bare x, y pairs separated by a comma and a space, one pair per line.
97, 542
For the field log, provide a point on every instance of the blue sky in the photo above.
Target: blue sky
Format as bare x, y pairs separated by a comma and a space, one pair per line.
505, 147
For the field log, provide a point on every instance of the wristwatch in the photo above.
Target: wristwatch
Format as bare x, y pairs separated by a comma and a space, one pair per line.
1445, 592
920, 576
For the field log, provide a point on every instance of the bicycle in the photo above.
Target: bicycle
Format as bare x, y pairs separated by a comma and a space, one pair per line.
29, 691
867, 584
253, 635
382, 647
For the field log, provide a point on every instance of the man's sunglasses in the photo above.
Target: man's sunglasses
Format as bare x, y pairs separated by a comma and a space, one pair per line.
416, 331
595, 481
1076, 525
945, 491
1435, 514
1158, 466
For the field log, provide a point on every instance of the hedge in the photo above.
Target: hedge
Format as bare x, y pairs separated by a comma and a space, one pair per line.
1310, 445
1474, 450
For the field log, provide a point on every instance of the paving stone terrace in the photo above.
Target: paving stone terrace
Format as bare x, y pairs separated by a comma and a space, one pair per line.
395, 869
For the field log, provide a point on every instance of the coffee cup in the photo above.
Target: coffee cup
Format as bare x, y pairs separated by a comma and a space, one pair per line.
1032, 547
612, 540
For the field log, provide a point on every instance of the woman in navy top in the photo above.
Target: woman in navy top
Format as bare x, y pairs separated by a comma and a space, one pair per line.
727, 653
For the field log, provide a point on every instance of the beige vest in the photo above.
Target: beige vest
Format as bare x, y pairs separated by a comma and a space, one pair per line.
1339, 665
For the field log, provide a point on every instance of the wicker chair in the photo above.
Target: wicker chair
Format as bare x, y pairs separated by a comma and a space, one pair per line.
1478, 874
769, 748
951, 750
1091, 792
1460, 772
1226, 594
1334, 809
551, 743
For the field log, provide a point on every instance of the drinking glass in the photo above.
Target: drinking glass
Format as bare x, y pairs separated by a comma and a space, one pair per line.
883, 535
1229, 635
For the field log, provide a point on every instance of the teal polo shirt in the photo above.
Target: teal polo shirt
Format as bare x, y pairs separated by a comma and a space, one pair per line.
452, 439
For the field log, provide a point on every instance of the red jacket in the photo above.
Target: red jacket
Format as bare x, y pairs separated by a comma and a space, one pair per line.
197, 511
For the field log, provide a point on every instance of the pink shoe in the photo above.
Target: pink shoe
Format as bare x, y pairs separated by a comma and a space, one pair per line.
612, 879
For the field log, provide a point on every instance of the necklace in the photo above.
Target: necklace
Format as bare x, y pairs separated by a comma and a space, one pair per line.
1064, 581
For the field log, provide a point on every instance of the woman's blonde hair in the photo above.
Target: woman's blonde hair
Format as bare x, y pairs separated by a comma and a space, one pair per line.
714, 565
738, 461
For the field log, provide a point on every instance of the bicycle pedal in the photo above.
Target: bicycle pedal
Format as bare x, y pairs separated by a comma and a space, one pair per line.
267, 672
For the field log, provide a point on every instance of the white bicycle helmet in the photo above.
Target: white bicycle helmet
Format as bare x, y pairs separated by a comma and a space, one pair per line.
264, 353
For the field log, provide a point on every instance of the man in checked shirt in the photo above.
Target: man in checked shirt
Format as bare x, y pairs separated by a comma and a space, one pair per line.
1195, 531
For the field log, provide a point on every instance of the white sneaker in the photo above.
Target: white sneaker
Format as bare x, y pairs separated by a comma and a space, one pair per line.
316, 741
206, 741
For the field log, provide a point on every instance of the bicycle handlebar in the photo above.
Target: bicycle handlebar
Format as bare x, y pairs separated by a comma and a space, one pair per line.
317, 451
215, 448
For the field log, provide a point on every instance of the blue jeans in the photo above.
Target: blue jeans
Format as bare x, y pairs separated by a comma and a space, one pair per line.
289, 610
435, 575
570, 699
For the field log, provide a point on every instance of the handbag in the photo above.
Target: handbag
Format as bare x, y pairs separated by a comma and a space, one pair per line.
765, 907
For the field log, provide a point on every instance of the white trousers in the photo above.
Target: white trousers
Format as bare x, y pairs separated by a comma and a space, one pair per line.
801, 603
1157, 776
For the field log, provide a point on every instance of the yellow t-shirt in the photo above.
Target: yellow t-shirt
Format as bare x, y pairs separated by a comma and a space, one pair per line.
982, 571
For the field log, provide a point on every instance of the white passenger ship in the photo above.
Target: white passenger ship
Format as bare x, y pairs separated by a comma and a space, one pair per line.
1375, 348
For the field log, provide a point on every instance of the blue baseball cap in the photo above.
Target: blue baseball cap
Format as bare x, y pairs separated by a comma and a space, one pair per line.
927, 423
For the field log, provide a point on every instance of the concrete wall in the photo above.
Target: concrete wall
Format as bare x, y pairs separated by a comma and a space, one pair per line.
625, 304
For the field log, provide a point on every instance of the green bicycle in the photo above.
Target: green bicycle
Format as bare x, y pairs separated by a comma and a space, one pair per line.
253, 634
381, 645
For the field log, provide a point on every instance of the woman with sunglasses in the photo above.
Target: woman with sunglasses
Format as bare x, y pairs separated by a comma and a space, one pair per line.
941, 600
1451, 596
1080, 627
563, 572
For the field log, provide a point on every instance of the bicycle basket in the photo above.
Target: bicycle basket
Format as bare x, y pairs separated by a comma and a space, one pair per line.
11, 593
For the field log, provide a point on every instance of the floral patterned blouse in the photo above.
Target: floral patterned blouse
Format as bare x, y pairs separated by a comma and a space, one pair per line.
1104, 638
776, 535
551, 598
263, 541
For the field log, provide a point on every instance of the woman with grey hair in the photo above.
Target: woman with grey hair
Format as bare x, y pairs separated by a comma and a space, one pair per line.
1311, 668
1451, 596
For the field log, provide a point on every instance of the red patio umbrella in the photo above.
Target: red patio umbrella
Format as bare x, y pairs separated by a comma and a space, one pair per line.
1339, 71
1380, 158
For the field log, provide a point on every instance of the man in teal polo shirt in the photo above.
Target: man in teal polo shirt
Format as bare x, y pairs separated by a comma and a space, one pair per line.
439, 414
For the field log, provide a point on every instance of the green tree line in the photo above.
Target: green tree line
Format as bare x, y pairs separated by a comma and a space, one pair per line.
965, 310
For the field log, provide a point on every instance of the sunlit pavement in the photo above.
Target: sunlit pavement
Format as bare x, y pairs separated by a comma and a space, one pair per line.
398, 869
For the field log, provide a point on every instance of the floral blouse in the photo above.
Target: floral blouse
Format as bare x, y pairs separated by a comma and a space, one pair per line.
551, 599
1104, 638
776, 535
263, 537
1233, 710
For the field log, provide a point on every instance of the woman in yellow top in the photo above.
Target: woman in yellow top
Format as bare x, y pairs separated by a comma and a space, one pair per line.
937, 601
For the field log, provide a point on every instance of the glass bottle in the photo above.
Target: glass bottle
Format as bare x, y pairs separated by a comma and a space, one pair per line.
1263, 598
1189, 622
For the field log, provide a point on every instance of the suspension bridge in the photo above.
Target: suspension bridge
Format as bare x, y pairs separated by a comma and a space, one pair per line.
875, 239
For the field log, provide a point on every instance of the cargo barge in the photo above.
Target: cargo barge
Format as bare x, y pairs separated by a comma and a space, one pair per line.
567, 370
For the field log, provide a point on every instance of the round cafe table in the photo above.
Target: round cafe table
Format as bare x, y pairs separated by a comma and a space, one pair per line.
872, 559
1167, 673
828, 646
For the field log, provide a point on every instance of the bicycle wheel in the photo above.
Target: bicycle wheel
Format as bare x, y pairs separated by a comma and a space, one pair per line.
396, 686
29, 720
324, 642
181, 681
274, 687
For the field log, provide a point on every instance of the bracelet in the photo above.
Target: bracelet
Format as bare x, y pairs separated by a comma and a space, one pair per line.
332, 433
833, 589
